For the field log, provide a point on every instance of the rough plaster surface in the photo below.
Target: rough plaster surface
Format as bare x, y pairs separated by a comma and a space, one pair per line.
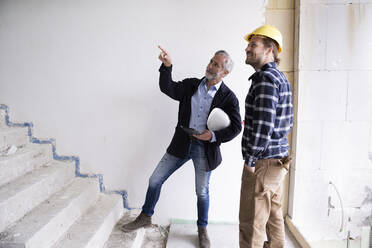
334, 122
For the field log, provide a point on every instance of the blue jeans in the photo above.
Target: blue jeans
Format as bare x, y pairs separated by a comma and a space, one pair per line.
169, 164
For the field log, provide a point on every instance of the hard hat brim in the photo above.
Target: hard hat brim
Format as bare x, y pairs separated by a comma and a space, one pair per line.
249, 36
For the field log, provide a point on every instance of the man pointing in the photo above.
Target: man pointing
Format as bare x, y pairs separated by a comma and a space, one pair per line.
196, 97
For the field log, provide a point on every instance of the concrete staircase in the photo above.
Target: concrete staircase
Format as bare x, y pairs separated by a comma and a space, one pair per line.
49, 203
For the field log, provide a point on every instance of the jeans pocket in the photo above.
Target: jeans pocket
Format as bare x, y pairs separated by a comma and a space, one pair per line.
247, 174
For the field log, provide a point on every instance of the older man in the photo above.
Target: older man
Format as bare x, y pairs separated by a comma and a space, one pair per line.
197, 97
268, 120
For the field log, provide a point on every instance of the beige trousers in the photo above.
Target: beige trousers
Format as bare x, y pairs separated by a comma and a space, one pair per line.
260, 204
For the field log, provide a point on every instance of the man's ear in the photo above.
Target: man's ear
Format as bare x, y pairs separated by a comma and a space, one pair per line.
268, 50
225, 72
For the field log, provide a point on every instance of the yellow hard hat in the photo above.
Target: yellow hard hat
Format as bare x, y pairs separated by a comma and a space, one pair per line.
268, 31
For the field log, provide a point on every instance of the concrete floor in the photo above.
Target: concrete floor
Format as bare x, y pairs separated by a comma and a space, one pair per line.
180, 234
221, 236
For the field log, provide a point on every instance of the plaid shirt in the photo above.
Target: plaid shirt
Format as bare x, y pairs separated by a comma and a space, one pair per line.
268, 115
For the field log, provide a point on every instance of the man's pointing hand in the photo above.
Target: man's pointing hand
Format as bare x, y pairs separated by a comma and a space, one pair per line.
164, 57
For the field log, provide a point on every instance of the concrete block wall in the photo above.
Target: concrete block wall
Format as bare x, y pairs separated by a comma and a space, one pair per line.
334, 124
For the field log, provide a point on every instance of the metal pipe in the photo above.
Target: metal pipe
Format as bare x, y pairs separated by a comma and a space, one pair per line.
342, 206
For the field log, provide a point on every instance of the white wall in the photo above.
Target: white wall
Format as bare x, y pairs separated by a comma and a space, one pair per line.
334, 136
86, 73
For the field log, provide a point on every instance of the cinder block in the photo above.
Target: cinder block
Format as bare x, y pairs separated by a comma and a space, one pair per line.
359, 101
17, 136
345, 145
284, 21
22, 195
45, 224
311, 213
348, 39
312, 37
94, 227
338, 230
310, 197
309, 146
357, 195
322, 95
23, 161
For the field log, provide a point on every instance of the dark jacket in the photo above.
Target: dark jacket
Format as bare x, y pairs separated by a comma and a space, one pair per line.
182, 91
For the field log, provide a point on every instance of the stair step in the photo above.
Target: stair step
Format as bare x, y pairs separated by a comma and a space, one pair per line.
47, 223
95, 226
17, 136
122, 239
156, 236
25, 159
2, 118
23, 194
220, 235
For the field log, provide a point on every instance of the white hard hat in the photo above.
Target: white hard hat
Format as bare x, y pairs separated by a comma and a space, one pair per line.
217, 120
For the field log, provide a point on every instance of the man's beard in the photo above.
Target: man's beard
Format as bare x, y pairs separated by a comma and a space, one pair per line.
251, 59
212, 76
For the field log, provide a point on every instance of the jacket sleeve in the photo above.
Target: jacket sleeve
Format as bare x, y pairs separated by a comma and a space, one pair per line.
174, 90
231, 108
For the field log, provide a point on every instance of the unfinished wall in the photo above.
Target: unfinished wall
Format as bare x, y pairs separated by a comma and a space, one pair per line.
86, 73
334, 128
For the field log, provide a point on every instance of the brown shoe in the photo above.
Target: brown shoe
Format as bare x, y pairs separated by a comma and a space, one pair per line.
142, 220
203, 238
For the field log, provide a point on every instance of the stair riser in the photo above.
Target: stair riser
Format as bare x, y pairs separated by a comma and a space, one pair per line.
55, 229
18, 137
139, 238
2, 118
17, 166
102, 235
16, 207
118, 238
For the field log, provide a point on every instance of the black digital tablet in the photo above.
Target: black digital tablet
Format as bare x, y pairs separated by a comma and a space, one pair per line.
190, 131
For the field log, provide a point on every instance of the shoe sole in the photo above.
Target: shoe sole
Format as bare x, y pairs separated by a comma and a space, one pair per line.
132, 230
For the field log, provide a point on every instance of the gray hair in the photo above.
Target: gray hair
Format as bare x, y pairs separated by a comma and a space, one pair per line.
228, 64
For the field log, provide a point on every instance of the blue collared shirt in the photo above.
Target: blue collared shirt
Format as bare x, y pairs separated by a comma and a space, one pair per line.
201, 103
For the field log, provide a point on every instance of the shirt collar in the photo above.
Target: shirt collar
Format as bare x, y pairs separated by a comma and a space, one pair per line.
216, 86
263, 68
